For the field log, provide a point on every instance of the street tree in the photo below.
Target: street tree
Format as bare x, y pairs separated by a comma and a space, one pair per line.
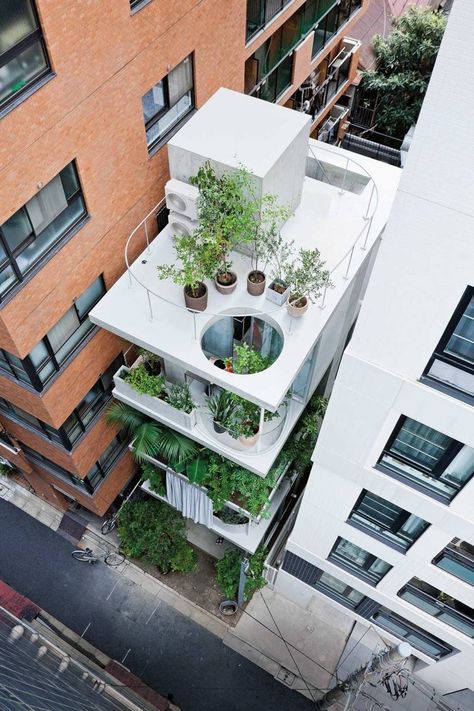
404, 63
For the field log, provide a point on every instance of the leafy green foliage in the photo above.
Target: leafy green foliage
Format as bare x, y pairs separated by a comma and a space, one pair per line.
144, 383
247, 360
175, 448
267, 233
300, 444
221, 407
178, 395
156, 478
157, 533
226, 210
405, 61
306, 275
228, 573
195, 261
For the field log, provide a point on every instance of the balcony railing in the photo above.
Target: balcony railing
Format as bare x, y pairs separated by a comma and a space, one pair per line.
260, 13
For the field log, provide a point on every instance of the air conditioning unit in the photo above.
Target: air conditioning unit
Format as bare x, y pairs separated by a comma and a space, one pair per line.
180, 225
182, 198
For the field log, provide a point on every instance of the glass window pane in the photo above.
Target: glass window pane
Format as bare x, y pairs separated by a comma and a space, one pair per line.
359, 561
17, 229
420, 443
22, 70
73, 341
457, 567
46, 205
8, 278
180, 81
69, 180
460, 469
90, 297
461, 343
17, 20
154, 101
18, 368
63, 330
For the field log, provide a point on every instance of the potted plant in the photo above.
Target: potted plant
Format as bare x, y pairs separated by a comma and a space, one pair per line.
278, 290
195, 263
266, 239
307, 277
151, 361
246, 425
221, 406
178, 395
226, 217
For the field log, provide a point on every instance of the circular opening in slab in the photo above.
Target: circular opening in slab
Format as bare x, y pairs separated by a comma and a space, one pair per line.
242, 344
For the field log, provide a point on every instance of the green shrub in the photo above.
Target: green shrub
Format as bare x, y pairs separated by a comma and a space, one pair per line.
156, 478
178, 396
155, 532
228, 573
144, 383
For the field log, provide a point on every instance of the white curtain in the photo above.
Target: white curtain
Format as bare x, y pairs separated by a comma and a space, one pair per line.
191, 500
180, 81
47, 204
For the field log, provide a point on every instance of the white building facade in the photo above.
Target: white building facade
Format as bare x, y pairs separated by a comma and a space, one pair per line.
386, 525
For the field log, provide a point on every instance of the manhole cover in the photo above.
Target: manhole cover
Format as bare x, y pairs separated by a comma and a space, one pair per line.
285, 676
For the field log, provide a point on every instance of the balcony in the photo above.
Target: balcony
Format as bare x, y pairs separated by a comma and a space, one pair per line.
340, 206
233, 522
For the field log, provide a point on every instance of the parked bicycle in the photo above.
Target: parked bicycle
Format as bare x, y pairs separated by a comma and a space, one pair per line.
112, 522
87, 555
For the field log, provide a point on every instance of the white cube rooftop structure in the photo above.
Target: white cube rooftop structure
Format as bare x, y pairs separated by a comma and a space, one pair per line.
233, 129
343, 221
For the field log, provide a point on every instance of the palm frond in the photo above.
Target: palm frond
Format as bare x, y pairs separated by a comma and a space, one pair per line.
146, 440
127, 417
175, 447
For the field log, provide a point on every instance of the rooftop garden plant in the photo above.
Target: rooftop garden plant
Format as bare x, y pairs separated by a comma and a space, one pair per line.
307, 277
247, 360
226, 211
151, 361
177, 395
265, 242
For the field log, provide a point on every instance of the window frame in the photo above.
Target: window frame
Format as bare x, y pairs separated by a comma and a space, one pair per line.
438, 470
11, 255
394, 528
443, 611
449, 359
162, 138
412, 629
32, 371
362, 572
12, 53
457, 556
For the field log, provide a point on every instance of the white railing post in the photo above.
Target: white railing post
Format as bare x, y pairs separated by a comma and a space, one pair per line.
146, 236
149, 304
369, 225
366, 216
346, 275
343, 187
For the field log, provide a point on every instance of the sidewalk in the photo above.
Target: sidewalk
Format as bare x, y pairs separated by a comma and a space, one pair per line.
51, 517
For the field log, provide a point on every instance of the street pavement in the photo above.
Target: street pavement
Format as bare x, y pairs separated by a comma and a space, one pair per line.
170, 652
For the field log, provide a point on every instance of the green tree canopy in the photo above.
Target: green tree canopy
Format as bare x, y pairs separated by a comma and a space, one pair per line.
405, 60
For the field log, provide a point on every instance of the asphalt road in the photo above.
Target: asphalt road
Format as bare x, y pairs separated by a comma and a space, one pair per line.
170, 652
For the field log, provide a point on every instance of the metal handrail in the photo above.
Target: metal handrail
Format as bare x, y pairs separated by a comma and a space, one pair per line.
367, 219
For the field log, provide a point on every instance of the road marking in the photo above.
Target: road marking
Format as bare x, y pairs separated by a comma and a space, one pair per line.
154, 610
126, 655
82, 635
110, 593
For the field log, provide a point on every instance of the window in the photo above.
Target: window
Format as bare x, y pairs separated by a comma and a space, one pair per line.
421, 640
458, 559
452, 366
322, 581
440, 605
29, 235
384, 520
427, 459
136, 4
23, 58
260, 13
168, 102
358, 561
49, 356
95, 476
79, 420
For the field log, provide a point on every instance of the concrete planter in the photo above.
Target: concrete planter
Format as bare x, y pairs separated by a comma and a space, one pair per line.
226, 288
195, 303
256, 288
275, 296
153, 405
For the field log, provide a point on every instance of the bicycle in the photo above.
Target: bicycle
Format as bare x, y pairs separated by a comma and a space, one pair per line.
109, 524
87, 555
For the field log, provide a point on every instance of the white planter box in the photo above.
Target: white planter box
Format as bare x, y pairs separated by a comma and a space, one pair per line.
275, 297
154, 405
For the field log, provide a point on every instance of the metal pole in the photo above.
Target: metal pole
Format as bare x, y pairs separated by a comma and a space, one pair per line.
366, 216
343, 187
381, 662
369, 225
346, 275
147, 239
149, 305
195, 326
244, 566
323, 302
129, 278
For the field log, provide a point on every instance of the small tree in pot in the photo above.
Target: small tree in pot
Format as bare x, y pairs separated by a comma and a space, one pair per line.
307, 277
266, 241
226, 210
279, 289
221, 405
196, 262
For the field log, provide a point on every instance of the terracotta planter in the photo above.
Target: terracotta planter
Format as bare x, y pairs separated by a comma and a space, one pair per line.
277, 297
196, 303
226, 288
256, 288
297, 311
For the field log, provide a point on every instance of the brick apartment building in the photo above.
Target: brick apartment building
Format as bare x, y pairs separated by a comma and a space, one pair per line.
90, 92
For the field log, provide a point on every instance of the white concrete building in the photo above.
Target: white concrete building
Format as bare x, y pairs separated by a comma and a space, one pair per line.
340, 205
386, 525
